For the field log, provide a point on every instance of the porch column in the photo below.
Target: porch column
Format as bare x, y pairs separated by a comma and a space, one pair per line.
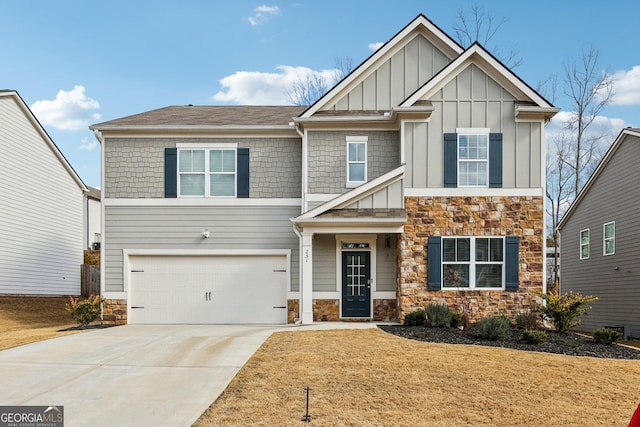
306, 287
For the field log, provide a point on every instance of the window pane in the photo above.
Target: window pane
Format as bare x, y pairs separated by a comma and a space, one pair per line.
449, 250
610, 247
609, 230
222, 161
488, 276
496, 249
584, 237
223, 185
192, 185
356, 152
356, 172
482, 249
463, 250
473, 147
455, 275
584, 250
473, 173
191, 160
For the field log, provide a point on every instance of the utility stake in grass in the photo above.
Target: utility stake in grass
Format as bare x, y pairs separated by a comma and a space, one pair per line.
307, 417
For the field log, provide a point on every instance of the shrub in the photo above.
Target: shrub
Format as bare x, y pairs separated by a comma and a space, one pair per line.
534, 337
85, 311
527, 320
607, 336
415, 318
495, 328
458, 319
438, 315
563, 310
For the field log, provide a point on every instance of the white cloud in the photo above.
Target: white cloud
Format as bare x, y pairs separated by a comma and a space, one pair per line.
88, 144
626, 86
375, 46
602, 125
256, 88
262, 14
72, 110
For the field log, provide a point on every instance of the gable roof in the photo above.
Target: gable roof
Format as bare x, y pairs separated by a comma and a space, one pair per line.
45, 136
601, 166
206, 117
483, 59
420, 24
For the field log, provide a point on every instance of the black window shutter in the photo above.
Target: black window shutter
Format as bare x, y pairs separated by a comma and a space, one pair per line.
512, 263
243, 172
434, 263
450, 160
170, 172
495, 160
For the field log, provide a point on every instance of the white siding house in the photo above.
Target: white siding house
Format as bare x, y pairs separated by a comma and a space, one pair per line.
41, 213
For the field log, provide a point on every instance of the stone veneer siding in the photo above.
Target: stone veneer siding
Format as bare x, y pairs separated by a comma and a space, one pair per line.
327, 158
134, 167
470, 216
114, 312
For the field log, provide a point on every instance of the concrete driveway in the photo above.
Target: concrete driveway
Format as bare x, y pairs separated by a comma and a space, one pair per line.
133, 375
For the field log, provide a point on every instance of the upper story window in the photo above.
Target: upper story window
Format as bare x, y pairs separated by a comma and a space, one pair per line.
584, 244
473, 262
356, 160
207, 172
609, 238
473, 159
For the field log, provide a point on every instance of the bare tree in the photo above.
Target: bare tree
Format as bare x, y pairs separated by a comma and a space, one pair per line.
478, 25
306, 91
590, 90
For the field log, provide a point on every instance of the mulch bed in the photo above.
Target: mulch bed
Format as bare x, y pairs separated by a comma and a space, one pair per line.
570, 343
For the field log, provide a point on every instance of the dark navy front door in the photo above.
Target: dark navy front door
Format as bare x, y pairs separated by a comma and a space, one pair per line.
356, 284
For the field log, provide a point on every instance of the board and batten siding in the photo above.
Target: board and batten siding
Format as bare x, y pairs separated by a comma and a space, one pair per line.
396, 78
473, 100
180, 227
134, 167
389, 197
614, 279
41, 213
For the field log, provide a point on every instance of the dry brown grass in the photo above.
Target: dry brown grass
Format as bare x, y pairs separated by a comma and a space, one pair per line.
371, 378
29, 319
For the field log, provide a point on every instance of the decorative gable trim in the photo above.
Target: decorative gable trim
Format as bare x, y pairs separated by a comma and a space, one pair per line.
479, 56
356, 194
421, 24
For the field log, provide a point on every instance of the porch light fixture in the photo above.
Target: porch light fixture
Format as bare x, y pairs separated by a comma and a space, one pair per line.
205, 234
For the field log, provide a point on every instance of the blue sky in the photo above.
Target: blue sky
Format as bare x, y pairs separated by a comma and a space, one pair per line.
76, 63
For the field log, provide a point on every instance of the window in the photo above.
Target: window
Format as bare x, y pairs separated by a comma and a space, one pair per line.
473, 262
356, 160
584, 244
473, 159
207, 172
609, 238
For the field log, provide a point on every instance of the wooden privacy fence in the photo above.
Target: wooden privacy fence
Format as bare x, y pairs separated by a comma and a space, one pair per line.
90, 280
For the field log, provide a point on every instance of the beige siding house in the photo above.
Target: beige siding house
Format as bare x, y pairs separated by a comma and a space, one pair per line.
41, 232
419, 177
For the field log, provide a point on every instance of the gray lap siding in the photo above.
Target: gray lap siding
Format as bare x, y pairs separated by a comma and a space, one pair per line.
180, 227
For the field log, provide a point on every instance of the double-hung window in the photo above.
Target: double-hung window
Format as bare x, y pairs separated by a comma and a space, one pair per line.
609, 238
473, 158
208, 172
356, 160
473, 262
584, 244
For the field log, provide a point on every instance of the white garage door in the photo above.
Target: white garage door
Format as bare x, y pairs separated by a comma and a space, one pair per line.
238, 289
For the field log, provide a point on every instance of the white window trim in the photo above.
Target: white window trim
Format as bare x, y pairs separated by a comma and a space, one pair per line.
207, 147
357, 140
471, 131
604, 238
588, 244
472, 264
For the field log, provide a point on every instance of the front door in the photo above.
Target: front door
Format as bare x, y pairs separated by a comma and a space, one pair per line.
356, 284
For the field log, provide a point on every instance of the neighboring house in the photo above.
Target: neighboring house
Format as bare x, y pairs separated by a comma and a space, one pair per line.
599, 239
41, 208
417, 178
93, 233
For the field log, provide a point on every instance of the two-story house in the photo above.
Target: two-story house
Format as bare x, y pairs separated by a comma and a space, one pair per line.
419, 177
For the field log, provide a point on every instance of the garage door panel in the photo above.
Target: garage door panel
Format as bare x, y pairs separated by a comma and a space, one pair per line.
208, 289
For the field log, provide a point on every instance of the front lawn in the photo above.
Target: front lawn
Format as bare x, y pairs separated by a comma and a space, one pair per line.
372, 378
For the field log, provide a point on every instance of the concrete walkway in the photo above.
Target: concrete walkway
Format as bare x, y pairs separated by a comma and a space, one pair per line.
134, 375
